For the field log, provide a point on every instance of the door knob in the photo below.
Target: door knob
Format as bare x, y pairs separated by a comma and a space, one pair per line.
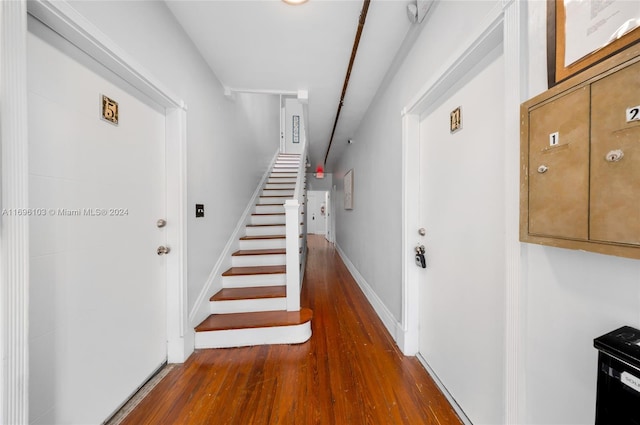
162, 250
161, 222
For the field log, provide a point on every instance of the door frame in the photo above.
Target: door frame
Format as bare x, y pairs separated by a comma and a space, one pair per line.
505, 24
14, 239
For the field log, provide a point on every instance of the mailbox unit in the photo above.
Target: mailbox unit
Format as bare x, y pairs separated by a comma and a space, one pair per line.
580, 161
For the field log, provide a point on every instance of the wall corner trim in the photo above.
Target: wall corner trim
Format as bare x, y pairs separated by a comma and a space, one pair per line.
14, 230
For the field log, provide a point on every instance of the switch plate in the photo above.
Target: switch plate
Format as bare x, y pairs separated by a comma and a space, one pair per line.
199, 210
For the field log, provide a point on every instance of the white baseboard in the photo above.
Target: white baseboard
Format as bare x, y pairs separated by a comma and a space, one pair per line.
390, 322
201, 308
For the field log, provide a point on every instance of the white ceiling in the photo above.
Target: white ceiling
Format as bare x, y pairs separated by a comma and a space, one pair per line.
269, 45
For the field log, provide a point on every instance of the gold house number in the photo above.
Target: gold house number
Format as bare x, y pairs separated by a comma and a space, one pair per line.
109, 110
456, 120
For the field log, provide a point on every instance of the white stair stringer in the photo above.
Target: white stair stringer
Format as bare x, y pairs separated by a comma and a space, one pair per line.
254, 336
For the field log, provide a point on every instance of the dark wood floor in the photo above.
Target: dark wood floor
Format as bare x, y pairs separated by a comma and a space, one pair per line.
350, 372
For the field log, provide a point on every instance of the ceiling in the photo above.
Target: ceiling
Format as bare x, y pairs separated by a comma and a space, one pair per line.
267, 45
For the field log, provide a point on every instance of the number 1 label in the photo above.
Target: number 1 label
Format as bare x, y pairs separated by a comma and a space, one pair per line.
554, 138
633, 113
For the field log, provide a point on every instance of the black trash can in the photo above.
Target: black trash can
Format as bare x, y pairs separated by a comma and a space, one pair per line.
618, 392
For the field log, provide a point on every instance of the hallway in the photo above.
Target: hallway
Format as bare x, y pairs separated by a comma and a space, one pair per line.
349, 372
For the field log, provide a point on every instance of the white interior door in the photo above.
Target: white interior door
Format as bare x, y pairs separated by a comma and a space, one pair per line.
461, 294
97, 285
317, 211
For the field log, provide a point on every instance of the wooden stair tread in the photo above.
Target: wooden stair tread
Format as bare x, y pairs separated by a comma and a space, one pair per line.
276, 251
277, 196
262, 319
267, 214
268, 205
264, 225
251, 293
249, 238
250, 271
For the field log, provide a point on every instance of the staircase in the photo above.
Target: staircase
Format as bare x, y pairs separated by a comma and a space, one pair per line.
251, 307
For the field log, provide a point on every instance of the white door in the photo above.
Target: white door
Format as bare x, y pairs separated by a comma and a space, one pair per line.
98, 287
317, 211
461, 208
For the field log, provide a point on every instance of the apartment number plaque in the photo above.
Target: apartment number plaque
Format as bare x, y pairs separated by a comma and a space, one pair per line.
109, 110
456, 120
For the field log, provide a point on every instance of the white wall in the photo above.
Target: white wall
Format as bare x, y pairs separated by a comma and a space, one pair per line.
293, 107
228, 140
570, 297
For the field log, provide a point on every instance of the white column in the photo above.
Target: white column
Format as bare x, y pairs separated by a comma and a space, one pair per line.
14, 230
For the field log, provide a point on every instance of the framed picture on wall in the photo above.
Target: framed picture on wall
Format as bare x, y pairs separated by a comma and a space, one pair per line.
348, 190
583, 33
296, 129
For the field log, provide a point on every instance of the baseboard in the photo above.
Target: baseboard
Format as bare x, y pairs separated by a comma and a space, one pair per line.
390, 322
200, 310
463, 417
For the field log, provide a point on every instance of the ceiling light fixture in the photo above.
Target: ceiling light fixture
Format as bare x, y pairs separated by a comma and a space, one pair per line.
294, 2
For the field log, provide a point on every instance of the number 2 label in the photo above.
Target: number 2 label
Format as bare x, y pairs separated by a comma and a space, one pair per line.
633, 113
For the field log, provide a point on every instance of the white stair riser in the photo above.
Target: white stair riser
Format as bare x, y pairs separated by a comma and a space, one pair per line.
258, 260
269, 209
283, 174
253, 280
288, 180
263, 244
288, 186
256, 336
247, 306
276, 192
268, 219
278, 229
287, 164
271, 200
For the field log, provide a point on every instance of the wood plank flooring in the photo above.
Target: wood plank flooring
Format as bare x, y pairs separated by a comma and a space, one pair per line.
349, 373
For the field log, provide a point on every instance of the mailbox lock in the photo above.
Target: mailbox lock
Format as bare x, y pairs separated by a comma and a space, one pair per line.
542, 169
615, 155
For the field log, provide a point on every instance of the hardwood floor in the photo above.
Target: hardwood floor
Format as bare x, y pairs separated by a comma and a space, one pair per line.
349, 373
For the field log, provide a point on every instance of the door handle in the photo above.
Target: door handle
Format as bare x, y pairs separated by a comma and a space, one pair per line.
163, 250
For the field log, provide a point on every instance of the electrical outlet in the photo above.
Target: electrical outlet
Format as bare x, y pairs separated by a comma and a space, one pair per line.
199, 210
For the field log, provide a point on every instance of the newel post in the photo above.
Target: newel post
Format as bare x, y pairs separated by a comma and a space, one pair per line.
291, 208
